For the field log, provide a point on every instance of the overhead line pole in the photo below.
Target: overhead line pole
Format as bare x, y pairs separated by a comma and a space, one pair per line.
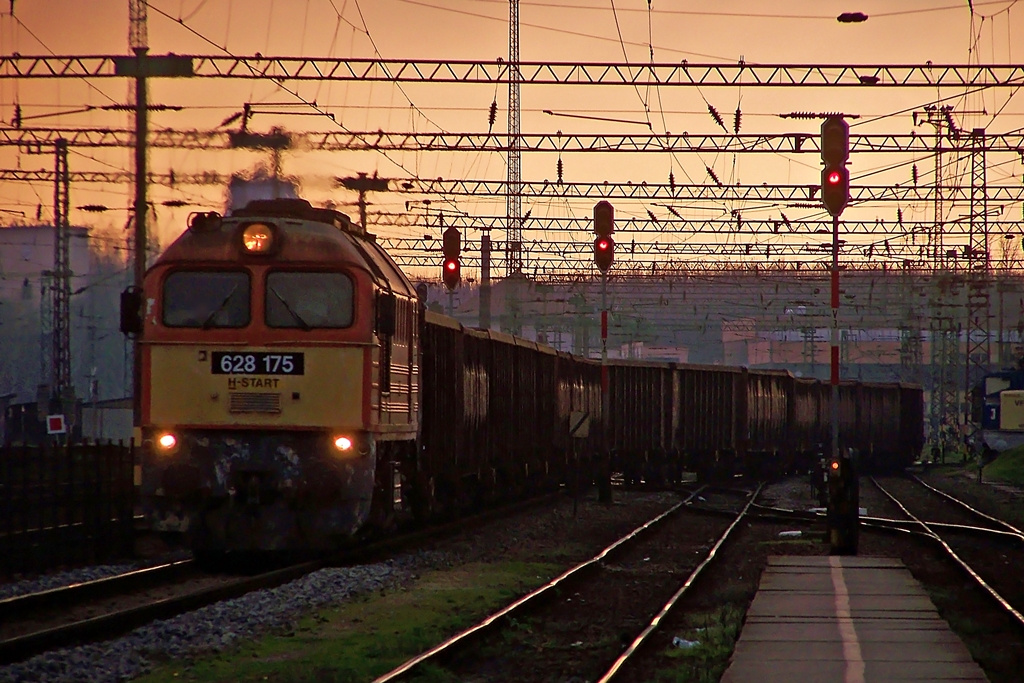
140, 66
514, 201
139, 213
63, 387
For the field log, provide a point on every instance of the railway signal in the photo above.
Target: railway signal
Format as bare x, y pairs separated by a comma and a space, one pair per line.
450, 246
835, 177
604, 226
843, 516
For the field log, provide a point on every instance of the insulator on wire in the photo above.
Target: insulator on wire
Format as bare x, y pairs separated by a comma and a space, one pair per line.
492, 115
713, 175
558, 168
949, 119
671, 181
785, 220
717, 117
654, 218
739, 219
899, 216
913, 174
16, 122
736, 119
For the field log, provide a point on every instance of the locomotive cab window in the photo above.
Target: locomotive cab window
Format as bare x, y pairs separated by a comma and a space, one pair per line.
206, 299
309, 300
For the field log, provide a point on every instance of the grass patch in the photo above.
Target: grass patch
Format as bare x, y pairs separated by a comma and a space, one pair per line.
700, 654
364, 638
1008, 467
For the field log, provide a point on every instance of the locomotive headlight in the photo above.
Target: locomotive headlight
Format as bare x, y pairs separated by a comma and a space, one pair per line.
167, 442
258, 238
343, 443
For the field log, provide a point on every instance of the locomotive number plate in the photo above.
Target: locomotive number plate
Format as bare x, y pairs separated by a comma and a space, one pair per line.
257, 363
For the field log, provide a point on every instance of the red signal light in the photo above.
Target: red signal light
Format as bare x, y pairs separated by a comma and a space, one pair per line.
604, 253
835, 188
450, 273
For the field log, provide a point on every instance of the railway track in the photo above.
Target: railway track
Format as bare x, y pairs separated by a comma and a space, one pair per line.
106, 608
989, 550
627, 589
615, 627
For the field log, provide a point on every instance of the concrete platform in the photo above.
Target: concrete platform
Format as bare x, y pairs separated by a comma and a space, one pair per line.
842, 619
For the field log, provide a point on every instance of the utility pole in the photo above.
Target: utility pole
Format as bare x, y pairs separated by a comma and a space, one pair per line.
485, 280
514, 198
979, 351
139, 212
138, 42
979, 345
276, 141
63, 390
139, 66
910, 331
945, 347
362, 185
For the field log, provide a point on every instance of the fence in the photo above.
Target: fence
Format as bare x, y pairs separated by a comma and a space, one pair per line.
64, 505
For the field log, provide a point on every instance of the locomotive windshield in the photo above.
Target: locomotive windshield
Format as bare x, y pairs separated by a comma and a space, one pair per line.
309, 300
206, 299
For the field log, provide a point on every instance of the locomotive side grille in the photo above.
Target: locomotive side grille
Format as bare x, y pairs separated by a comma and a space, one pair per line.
251, 402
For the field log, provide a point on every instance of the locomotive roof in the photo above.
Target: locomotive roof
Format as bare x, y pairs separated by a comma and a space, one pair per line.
308, 235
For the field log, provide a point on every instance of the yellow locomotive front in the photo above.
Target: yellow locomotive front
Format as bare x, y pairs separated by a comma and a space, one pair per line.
279, 381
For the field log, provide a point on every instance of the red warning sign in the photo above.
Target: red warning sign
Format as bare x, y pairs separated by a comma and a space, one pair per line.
55, 424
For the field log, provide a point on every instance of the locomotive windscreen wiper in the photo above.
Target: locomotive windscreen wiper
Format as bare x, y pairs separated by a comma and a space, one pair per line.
298, 318
208, 323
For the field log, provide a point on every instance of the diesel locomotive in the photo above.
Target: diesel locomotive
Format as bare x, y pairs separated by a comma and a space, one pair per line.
280, 394
295, 392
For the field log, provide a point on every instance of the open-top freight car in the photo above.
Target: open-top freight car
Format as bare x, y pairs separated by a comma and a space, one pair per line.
495, 415
720, 421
